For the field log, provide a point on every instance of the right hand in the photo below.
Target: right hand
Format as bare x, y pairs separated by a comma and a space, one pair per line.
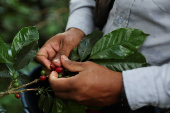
60, 44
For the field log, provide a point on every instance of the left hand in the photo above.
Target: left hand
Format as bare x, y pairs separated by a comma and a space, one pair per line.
94, 85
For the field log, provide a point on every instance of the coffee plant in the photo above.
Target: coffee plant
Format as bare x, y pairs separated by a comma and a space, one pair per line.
117, 51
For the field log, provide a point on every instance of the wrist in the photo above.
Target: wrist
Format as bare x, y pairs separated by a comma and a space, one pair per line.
74, 31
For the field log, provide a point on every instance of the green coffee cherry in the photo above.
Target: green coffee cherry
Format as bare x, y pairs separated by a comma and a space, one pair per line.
15, 81
15, 76
15, 85
39, 91
59, 75
42, 72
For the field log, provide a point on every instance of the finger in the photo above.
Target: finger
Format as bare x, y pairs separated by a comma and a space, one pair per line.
64, 50
63, 95
72, 65
51, 52
44, 61
60, 84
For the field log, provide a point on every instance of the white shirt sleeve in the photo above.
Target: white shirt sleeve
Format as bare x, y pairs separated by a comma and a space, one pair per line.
81, 15
148, 86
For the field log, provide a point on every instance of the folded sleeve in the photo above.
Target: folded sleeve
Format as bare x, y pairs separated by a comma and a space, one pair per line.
81, 15
148, 86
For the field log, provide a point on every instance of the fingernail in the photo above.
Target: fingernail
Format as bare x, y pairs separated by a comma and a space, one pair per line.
64, 57
53, 73
57, 60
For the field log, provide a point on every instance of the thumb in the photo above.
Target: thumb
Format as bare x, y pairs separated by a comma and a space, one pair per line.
63, 51
60, 84
72, 65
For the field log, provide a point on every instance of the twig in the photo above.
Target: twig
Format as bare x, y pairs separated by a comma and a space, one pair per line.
24, 85
10, 86
14, 92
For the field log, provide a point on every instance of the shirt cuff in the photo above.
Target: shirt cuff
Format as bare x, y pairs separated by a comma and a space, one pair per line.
140, 87
81, 19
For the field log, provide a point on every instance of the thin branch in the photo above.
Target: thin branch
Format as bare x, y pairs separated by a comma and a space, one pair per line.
24, 85
14, 92
10, 86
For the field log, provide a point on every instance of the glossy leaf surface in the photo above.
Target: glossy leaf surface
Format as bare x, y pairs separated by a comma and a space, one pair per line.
23, 38
24, 78
4, 56
58, 105
41, 101
74, 55
86, 45
26, 54
118, 44
4, 71
133, 61
48, 104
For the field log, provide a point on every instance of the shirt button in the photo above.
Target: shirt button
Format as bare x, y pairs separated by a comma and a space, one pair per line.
120, 20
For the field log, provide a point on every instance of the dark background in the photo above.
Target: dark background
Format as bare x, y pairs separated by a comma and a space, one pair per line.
49, 16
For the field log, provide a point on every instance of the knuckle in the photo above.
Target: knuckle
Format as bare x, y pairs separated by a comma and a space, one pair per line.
80, 64
72, 64
77, 98
87, 63
62, 52
59, 35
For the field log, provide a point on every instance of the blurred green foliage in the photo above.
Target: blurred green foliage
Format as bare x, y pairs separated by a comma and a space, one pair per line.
49, 16
9, 102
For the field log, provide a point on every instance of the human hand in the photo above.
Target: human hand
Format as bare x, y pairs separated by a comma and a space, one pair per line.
94, 84
60, 44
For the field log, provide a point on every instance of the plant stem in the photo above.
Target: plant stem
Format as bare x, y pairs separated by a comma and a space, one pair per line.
24, 85
14, 92
10, 86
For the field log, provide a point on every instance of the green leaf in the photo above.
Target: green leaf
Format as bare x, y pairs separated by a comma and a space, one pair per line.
4, 56
87, 44
23, 38
66, 108
58, 106
74, 55
75, 107
118, 44
5, 81
4, 71
26, 70
133, 61
48, 104
26, 55
24, 78
41, 101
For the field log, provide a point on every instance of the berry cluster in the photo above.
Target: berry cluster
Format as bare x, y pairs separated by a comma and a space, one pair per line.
15, 81
16, 84
43, 77
58, 69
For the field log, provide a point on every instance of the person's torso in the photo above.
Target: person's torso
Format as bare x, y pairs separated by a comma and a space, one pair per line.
150, 16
